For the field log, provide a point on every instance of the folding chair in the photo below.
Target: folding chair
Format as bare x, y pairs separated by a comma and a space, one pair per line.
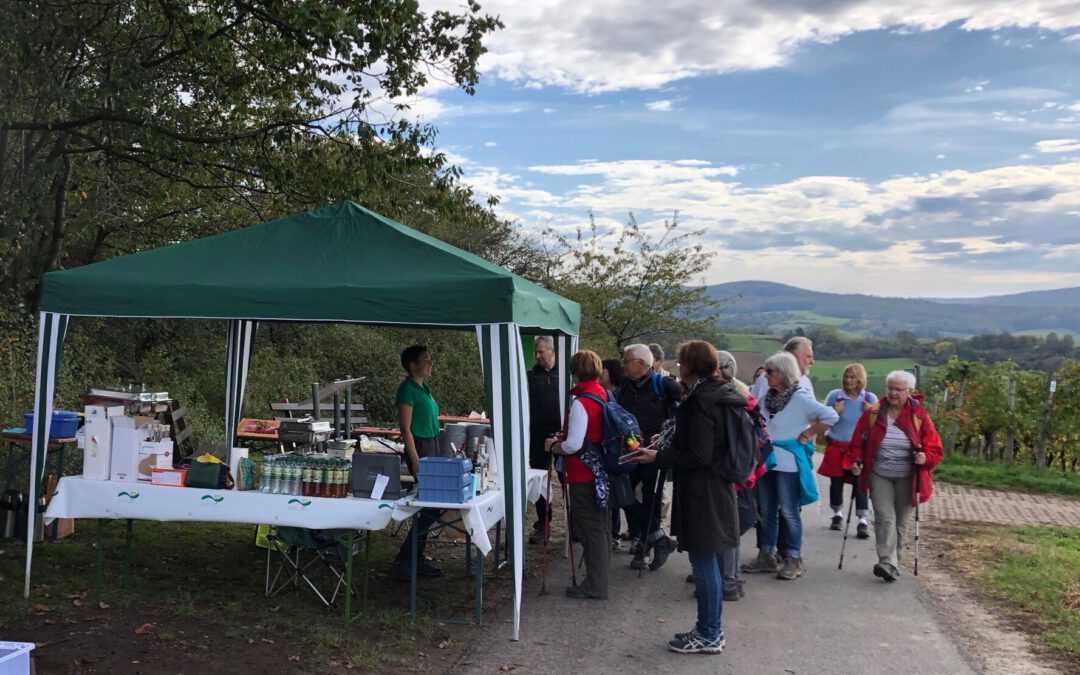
307, 555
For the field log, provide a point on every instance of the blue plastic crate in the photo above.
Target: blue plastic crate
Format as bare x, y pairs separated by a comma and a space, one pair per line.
451, 496
15, 657
444, 466
446, 482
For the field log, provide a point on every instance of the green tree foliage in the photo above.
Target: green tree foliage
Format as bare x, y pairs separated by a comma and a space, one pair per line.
136, 122
633, 286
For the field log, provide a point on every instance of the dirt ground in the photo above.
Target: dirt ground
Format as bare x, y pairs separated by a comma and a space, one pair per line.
998, 641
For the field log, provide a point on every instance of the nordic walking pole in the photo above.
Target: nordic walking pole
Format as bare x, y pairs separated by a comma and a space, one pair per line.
570, 535
658, 498
918, 491
847, 528
547, 529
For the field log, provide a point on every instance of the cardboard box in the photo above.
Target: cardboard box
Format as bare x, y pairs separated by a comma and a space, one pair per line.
128, 433
168, 477
97, 450
155, 455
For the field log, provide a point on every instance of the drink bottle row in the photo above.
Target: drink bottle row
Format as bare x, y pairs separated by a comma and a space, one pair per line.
306, 475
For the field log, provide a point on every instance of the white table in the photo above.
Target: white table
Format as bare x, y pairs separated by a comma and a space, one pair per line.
77, 497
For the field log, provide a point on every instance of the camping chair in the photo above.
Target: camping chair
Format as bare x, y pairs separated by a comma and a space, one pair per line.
308, 555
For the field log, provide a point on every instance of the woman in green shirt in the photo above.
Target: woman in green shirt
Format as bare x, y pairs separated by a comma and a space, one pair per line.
418, 419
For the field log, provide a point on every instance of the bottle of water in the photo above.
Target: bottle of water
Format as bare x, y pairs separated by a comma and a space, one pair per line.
276, 482
265, 476
294, 477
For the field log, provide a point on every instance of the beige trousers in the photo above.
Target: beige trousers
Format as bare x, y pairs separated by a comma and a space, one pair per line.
891, 498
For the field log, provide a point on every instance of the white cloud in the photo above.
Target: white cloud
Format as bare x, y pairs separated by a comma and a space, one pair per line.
939, 157
662, 105
490, 144
609, 45
1001, 229
548, 111
1059, 145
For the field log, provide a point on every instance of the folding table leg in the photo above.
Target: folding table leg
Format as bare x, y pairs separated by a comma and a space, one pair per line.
367, 568
468, 554
412, 570
498, 537
100, 561
479, 587
127, 555
59, 474
348, 577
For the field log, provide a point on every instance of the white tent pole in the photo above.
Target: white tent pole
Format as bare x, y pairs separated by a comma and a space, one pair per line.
514, 375
51, 330
237, 361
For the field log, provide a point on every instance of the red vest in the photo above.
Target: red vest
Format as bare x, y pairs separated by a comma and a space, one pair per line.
574, 470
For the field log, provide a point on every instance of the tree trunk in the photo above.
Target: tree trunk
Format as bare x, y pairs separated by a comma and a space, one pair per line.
958, 409
1044, 432
1010, 436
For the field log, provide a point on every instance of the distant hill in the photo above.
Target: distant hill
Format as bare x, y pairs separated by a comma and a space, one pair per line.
1059, 297
780, 307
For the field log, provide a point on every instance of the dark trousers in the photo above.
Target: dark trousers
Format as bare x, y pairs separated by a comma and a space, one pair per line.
539, 459
425, 447
836, 497
644, 516
591, 527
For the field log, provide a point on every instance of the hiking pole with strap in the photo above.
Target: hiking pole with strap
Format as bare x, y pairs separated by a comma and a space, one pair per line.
918, 491
847, 528
547, 529
570, 534
658, 497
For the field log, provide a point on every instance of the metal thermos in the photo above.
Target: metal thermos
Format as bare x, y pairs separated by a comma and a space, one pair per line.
8, 513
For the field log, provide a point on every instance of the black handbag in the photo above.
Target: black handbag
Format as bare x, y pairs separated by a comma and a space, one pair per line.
621, 493
208, 476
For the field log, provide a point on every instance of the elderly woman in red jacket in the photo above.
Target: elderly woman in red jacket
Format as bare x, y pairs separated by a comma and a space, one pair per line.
892, 451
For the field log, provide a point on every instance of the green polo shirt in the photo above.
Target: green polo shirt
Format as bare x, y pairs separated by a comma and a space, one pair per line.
425, 412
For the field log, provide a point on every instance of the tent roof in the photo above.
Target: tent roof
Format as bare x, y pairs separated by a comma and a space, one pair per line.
339, 263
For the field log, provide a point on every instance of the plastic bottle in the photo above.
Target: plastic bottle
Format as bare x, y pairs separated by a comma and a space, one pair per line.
294, 478
264, 474
305, 479
316, 479
275, 477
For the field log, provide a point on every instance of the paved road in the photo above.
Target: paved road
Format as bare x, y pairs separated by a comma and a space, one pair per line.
979, 505
829, 621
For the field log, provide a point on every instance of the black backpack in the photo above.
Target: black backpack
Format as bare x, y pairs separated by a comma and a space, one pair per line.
741, 442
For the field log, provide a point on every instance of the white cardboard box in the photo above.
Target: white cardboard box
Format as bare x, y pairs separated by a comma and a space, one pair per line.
128, 433
154, 455
97, 450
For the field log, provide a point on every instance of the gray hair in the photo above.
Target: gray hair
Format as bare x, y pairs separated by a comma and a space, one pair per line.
727, 366
544, 340
657, 351
793, 345
787, 367
901, 376
639, 351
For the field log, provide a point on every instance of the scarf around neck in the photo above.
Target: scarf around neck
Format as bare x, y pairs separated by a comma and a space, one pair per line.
774, 402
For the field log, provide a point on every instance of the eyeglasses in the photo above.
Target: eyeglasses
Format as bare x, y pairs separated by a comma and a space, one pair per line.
770, 371
625, 361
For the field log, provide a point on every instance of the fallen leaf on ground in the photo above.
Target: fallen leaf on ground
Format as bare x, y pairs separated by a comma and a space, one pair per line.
507, 667
294, 657
77, 603
145, 629
50, 622
103, 605
268, 641
251, 641
39, 609
444, 644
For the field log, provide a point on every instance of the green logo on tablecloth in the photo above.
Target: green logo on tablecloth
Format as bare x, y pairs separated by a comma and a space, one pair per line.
217, 499
385, 506
134, 494
302, 502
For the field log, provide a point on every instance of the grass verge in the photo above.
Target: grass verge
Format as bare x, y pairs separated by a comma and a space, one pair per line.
979, 473
1035, 573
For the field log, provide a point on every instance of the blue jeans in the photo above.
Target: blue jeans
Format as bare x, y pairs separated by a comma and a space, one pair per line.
709, 596
779, 496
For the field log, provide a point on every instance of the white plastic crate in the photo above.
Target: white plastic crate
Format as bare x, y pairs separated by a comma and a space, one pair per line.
15, 658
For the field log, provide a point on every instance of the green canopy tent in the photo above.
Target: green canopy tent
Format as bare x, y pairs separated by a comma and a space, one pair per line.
342, 263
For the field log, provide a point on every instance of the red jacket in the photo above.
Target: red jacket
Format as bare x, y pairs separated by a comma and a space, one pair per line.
574, 469
865, 442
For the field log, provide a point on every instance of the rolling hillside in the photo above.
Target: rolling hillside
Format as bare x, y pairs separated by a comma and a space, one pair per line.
780, 307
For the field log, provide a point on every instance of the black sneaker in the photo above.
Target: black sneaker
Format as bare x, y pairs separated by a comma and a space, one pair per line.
661, 551
689, 578
638, 563
537, 537
886, 572
694, 643
579, 593
637, 547
862, 531
731, 595
426, 569
836, 522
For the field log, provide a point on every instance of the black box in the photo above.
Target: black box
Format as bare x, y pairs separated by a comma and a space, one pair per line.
367, 466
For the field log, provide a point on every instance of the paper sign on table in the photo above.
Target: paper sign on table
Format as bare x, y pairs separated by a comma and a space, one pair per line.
381, 481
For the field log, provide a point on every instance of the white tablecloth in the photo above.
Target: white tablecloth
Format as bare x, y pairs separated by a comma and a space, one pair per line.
481, 513
77, 497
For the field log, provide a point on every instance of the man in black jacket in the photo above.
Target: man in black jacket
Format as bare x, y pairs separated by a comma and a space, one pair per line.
652, 399
545, 418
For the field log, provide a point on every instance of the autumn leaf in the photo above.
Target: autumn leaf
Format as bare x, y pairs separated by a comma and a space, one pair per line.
145, 629
294, 657
103, 605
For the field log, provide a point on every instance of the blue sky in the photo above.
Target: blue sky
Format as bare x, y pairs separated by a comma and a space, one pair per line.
893, 148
